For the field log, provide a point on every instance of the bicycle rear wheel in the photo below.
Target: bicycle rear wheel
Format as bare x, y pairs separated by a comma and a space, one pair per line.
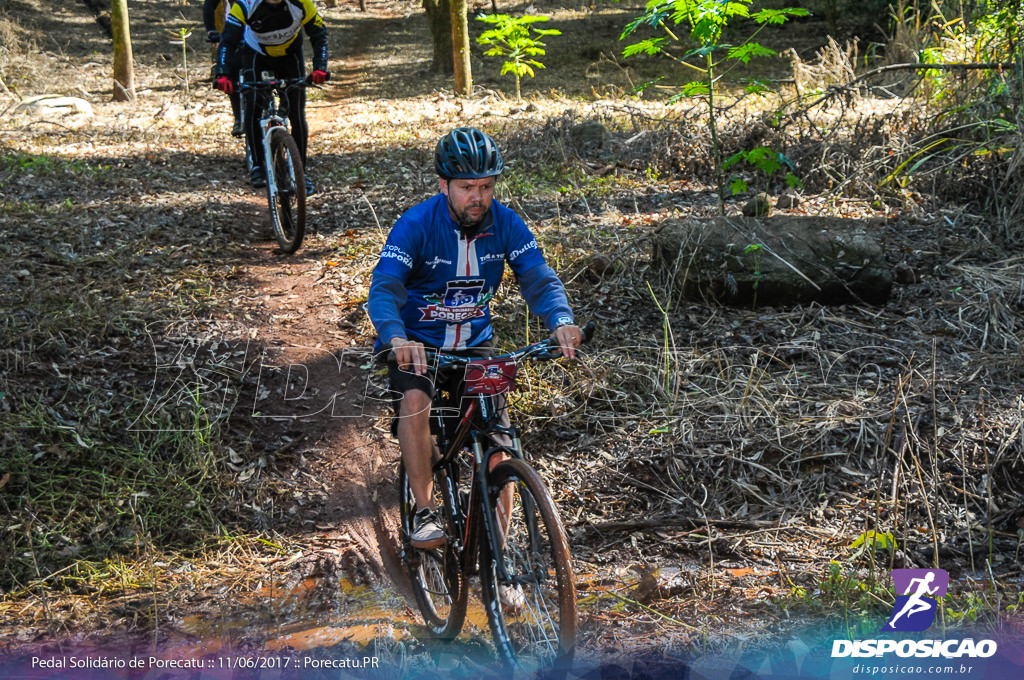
438, 583
288, 200
538, 635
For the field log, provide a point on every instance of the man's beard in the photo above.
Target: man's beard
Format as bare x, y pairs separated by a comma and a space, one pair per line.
462, 218
467, 222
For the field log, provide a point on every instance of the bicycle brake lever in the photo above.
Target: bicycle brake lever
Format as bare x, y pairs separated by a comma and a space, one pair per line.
588, 332
588, 335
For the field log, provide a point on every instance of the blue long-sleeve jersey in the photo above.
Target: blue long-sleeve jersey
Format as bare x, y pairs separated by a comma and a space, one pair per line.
434, 285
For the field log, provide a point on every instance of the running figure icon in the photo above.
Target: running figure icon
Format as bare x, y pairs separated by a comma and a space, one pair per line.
914, 610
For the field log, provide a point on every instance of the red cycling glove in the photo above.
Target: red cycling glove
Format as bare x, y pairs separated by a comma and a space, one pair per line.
318, 77
224, 84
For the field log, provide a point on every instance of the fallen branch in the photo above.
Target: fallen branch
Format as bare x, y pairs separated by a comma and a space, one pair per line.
835, 89
990, 66
694, 523
652, 611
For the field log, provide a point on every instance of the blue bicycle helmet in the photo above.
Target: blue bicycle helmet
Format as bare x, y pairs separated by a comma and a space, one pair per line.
467, 153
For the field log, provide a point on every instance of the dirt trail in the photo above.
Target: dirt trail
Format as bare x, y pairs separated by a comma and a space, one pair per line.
304, 399
313, 377
311, 363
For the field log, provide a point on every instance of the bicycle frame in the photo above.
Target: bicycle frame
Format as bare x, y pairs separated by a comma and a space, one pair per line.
479, 427
271, 99
508, 530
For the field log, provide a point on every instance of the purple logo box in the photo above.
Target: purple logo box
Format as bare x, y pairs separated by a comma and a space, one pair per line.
939, 579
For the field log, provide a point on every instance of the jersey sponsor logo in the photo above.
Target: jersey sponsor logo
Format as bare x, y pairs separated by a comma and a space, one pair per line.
433, 264
532, 245
462, 301
276, 37
396, 253
272, 26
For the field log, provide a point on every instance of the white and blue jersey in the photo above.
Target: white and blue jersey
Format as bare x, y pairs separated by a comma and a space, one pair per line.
434, 285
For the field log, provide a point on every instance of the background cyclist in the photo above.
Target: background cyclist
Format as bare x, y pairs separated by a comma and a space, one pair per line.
214, 12
270, 38
443, 262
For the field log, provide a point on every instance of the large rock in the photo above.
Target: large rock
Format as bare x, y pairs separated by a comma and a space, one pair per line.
54, 106
774, 261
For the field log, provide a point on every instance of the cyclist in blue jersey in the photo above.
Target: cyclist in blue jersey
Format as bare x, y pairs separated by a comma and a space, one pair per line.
268, 34
441, 266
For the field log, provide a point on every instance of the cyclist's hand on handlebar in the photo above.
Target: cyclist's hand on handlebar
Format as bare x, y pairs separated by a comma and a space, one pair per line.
568, 338
212, 37
318, 77
224, 84
409, 354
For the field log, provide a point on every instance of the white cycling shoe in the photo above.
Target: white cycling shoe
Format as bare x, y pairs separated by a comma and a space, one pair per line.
511, 597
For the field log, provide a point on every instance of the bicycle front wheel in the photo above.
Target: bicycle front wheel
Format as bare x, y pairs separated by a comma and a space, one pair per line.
532, 612
435, 575
286, 191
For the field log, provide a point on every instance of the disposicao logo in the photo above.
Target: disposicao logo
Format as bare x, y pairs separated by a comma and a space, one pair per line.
914, 611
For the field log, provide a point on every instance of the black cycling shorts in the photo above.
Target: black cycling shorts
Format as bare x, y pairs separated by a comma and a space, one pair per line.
449, 386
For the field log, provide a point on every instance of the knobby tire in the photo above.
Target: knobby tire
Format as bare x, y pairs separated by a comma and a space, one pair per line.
288, 207
438, 583
540, 636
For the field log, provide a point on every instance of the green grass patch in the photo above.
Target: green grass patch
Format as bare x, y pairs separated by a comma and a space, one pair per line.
17, 163
82, 487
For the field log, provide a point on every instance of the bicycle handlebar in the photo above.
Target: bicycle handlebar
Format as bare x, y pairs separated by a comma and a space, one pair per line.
276, 83
538, 351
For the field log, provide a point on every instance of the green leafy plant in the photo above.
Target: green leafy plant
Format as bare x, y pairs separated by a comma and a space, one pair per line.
855, 593
511, 38
872, 540
705, 52
858, 597
764, 161
755, 248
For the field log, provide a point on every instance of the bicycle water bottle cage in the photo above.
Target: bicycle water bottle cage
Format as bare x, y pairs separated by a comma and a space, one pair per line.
490, 376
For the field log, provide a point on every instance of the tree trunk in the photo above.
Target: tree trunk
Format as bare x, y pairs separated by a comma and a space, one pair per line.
460, 49
124, 72
439, 19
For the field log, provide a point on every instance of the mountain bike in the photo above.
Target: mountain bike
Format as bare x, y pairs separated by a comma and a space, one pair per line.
286, 179
499, 519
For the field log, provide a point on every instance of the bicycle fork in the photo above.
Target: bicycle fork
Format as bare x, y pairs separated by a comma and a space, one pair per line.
266, 127
489, 509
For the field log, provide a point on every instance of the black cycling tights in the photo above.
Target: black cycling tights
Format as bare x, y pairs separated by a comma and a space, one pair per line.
288, 66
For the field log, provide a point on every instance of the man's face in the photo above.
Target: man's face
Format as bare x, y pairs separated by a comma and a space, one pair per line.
469, 199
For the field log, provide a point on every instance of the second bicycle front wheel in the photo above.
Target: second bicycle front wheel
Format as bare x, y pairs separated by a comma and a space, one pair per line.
286, 191
532, 612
